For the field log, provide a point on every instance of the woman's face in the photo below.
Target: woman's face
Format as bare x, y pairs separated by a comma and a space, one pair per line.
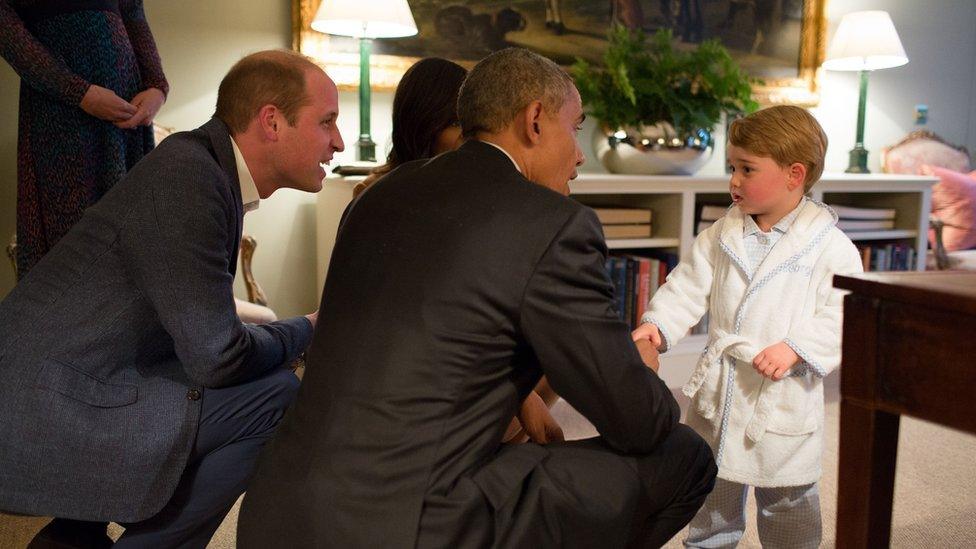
447, 140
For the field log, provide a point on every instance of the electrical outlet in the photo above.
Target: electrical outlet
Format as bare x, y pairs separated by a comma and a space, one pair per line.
921, 114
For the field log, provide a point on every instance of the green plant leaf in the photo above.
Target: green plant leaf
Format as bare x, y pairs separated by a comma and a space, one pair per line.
648, 80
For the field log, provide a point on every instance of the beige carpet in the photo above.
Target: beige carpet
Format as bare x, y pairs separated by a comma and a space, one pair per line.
935, 488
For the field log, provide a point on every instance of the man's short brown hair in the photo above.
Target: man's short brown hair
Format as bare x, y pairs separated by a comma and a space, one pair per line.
503, 84
785, 133
273, 77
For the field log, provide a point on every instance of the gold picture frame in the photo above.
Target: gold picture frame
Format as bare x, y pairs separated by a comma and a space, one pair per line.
386, 70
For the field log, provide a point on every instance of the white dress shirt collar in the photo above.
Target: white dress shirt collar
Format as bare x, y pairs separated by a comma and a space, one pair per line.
250, 198
749, 226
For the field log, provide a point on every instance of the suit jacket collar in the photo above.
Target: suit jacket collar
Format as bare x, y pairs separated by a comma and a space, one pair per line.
219, 136
496, 161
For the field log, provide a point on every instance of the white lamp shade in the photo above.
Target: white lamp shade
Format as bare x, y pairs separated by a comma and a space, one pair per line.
865, 40
365, 18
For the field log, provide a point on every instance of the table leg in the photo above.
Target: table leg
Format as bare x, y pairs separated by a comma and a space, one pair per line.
866, 475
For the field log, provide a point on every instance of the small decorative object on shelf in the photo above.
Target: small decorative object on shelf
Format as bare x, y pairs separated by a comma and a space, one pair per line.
657, 106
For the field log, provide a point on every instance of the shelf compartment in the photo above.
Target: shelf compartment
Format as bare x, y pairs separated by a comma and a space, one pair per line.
665, 220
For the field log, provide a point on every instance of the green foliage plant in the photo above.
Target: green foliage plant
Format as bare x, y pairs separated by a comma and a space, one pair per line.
645, 81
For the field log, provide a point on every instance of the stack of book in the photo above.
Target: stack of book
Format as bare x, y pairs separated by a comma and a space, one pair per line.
635, 279
864, 219
708, 214
625, 222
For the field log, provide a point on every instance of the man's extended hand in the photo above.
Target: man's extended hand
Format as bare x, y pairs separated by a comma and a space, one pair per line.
647, 331
648, 353
313, 318
537, 421
775, 361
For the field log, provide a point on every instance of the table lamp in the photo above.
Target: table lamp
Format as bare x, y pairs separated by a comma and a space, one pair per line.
365, 20
865, 41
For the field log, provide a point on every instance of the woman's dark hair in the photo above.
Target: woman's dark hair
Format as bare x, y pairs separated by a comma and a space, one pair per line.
425, 104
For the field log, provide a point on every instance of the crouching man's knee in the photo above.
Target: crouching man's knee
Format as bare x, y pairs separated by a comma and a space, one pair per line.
684, 462
282, 388
677, 477
700, 462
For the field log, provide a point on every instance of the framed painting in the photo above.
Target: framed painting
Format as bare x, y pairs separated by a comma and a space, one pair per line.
778, 41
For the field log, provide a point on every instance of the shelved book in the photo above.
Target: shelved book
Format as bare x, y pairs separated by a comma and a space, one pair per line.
627, 231
864, 219
625, 222
850, 212
891, 256
865, 224
635, 278
708, 214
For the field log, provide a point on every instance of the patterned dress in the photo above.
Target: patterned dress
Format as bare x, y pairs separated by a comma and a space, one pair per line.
66, 158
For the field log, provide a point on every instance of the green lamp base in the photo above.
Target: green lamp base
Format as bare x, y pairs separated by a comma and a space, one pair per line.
858, 160
366, 147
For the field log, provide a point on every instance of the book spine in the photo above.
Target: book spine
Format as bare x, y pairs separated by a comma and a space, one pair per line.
643, 288
629, 291
655, 277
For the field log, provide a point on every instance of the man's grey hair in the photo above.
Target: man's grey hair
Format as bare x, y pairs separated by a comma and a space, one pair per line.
503, 84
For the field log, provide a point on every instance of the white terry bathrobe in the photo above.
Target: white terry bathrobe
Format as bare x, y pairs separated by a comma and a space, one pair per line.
764, 433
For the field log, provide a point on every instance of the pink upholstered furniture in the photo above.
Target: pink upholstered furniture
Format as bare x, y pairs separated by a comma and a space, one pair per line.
953, 218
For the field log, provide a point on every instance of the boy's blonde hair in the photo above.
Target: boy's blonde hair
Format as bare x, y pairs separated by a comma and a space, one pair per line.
785, 133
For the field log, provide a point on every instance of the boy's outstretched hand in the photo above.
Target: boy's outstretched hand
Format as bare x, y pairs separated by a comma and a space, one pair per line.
647, 331
775, 361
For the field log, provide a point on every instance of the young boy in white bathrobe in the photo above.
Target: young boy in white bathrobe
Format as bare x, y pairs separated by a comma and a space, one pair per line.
764, 275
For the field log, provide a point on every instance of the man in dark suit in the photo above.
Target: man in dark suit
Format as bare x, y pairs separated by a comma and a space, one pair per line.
455, 283
130, 391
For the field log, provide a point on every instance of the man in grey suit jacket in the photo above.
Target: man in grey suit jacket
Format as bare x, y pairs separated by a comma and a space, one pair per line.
130, 391
455, 283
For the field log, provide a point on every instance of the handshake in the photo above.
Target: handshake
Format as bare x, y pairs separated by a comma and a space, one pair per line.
773, 362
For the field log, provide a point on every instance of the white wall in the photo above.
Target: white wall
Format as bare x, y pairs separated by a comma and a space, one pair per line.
939, 37
199, 41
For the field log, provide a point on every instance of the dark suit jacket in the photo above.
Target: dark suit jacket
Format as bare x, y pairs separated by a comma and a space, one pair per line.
454, 285
108, 342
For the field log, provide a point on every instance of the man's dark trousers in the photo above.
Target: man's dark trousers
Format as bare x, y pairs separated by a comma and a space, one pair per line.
235, 422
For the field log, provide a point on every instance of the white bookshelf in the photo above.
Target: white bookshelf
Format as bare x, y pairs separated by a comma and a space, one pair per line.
674, 198
674, 201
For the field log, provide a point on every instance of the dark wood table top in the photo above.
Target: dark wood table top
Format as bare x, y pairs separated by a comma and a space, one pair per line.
947, 290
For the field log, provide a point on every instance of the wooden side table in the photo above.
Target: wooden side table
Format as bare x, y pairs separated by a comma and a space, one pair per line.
909, 347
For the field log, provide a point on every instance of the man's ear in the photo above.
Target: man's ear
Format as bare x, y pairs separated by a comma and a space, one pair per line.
269, 117
797, 173
533, 114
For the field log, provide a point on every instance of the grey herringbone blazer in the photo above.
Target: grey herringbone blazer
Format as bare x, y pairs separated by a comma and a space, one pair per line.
107, 344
